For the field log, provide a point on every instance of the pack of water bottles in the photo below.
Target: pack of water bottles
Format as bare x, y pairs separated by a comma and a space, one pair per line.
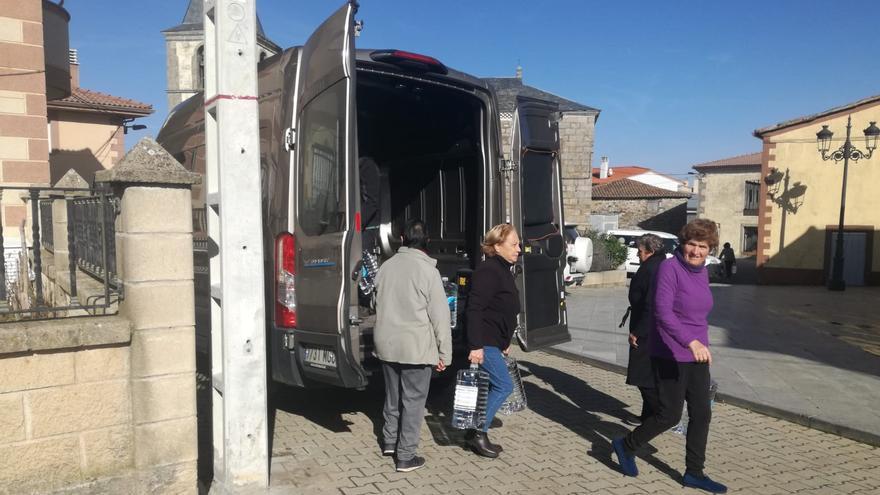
471, 393
516, 401
682, 426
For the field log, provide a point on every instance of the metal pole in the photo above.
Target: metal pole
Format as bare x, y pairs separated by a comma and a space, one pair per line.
71, 245
38, 264
837, 282
4, 304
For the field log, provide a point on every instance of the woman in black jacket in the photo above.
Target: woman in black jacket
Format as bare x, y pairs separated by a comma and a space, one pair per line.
641, 323
493, 304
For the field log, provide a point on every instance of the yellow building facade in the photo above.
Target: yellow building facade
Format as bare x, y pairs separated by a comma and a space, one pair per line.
801, 196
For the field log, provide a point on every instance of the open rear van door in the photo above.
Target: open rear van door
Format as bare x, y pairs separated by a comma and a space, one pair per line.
325, 220
536, 211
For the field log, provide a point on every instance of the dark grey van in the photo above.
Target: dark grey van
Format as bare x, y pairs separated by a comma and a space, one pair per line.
353, 144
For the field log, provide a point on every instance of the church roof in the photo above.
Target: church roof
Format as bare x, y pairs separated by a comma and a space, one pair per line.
508, 88
192, 21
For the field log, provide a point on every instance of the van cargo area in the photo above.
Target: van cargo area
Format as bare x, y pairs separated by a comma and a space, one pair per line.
424, 140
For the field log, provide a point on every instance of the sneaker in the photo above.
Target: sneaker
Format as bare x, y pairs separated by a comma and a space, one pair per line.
703, 483
388, 451
409, 464
626, 460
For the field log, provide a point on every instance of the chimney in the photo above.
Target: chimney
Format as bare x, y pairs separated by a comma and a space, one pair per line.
518, 71
74, 67
603, 170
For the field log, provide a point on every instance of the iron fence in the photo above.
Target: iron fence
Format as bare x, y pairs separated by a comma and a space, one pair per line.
46, 224
91, 252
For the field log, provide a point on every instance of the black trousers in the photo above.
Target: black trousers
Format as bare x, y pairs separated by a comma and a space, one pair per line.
677, 383
649, 402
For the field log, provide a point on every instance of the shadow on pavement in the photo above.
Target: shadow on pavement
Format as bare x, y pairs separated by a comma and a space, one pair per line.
574, 404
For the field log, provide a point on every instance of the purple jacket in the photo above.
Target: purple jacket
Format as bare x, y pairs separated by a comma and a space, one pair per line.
682, 302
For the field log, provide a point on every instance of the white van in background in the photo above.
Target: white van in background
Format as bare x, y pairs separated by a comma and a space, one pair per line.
670, 243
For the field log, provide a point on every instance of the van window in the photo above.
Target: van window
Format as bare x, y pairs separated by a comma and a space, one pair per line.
321, 176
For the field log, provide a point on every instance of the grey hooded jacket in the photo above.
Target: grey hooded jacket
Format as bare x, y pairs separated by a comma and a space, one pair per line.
412, 314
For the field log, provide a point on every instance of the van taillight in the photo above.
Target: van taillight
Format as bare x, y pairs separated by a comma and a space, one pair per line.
285, 280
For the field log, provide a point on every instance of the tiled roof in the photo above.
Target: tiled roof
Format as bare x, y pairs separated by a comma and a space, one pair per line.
751, 159
508, 88
808, 118
84, 99
618, 173
630, 189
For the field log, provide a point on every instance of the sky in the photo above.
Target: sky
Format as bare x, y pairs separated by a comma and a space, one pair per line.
678, 82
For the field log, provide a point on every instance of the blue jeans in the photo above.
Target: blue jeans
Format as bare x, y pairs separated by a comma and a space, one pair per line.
500, 385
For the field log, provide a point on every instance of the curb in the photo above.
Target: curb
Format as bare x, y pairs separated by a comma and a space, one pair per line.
860, 436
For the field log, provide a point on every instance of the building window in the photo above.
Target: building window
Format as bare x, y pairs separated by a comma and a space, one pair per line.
752, 191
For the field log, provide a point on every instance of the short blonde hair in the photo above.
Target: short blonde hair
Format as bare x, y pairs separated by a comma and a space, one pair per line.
495, 236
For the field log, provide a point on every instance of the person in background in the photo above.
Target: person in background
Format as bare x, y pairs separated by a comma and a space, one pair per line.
412, 335
680, 356
729, 260
641, 322
493, 305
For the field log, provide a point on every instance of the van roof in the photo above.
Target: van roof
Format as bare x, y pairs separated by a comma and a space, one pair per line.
362, 56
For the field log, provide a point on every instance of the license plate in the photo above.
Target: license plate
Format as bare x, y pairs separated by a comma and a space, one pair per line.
319, 357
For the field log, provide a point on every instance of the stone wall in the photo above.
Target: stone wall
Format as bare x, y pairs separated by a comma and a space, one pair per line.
665, 215
108, 404
576, 131
65, 404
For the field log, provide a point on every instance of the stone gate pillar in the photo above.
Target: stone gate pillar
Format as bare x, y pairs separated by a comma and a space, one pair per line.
155, 264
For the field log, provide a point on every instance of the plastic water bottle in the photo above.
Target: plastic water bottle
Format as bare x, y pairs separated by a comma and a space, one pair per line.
471, 392
682, 427
516, 401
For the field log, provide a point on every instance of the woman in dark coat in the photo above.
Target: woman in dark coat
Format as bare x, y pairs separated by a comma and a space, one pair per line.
493, 304
641, 296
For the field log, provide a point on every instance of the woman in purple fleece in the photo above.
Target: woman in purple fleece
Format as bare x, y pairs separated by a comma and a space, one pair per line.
680, 356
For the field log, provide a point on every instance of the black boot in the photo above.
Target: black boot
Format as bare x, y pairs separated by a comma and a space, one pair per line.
469, 435
479, 442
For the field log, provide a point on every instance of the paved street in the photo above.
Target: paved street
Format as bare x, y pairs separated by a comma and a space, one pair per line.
325, 442
803, 352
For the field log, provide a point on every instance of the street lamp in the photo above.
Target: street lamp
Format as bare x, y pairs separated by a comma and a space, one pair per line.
846, 153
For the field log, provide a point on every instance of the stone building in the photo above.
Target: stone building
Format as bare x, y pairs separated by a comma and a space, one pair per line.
576, 134
185, 52
800, 199
727, 193
33, 70
641, 206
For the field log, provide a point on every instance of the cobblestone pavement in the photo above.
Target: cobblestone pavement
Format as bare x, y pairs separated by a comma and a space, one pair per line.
325, 442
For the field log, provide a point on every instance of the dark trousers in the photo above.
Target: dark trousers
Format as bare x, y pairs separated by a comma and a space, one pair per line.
677, 383
649, 402
406, 389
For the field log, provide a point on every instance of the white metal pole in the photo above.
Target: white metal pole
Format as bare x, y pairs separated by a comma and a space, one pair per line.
241, 457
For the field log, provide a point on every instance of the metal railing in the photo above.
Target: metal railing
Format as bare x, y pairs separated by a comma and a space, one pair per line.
94, 235
46, 224
91, 251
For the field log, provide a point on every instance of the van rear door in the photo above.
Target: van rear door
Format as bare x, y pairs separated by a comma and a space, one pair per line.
536, 211
325, 206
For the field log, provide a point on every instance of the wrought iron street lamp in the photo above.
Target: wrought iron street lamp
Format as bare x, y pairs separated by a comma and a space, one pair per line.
845, 153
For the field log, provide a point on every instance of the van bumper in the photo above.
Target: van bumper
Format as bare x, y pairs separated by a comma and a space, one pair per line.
289, 366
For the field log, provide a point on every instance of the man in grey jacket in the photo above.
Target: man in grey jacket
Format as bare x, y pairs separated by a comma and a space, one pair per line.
412, 335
